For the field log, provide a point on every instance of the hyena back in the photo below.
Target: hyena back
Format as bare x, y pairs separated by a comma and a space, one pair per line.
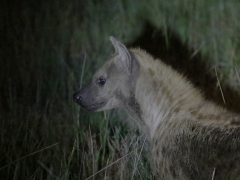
190, 137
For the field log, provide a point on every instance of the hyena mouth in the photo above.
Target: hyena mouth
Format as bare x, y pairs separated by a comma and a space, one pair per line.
93, 107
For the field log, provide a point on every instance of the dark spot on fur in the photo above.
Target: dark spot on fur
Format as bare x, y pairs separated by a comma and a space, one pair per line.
235, 122
193, 128
135, 106
164, 150
177, 110
151, 72
174, 173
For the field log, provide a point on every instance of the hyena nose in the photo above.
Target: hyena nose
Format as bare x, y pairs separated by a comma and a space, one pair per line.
77, 97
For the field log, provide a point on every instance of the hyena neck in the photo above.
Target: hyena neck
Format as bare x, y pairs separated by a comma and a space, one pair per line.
161, 93
134, 110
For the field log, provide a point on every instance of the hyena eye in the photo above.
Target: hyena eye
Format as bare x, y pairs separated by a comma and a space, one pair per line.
101, 81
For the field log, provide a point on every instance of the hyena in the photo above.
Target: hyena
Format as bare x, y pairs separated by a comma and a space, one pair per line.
190, 137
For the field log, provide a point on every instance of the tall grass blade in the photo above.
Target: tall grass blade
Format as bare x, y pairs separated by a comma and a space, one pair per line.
28, 156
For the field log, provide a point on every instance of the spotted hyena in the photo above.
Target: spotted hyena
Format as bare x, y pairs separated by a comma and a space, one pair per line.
190, 137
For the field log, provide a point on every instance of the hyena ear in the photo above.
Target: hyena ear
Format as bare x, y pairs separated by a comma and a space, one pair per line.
124, 60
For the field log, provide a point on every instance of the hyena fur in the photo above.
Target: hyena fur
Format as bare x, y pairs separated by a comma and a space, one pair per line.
191, 138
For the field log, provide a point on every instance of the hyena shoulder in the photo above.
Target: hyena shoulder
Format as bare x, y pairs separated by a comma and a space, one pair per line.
191, 137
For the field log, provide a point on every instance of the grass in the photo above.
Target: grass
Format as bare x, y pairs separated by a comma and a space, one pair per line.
48, 49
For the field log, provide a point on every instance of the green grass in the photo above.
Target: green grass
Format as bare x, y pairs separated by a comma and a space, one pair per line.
43, 133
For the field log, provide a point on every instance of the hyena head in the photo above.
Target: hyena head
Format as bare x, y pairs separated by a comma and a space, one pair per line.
113, 84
